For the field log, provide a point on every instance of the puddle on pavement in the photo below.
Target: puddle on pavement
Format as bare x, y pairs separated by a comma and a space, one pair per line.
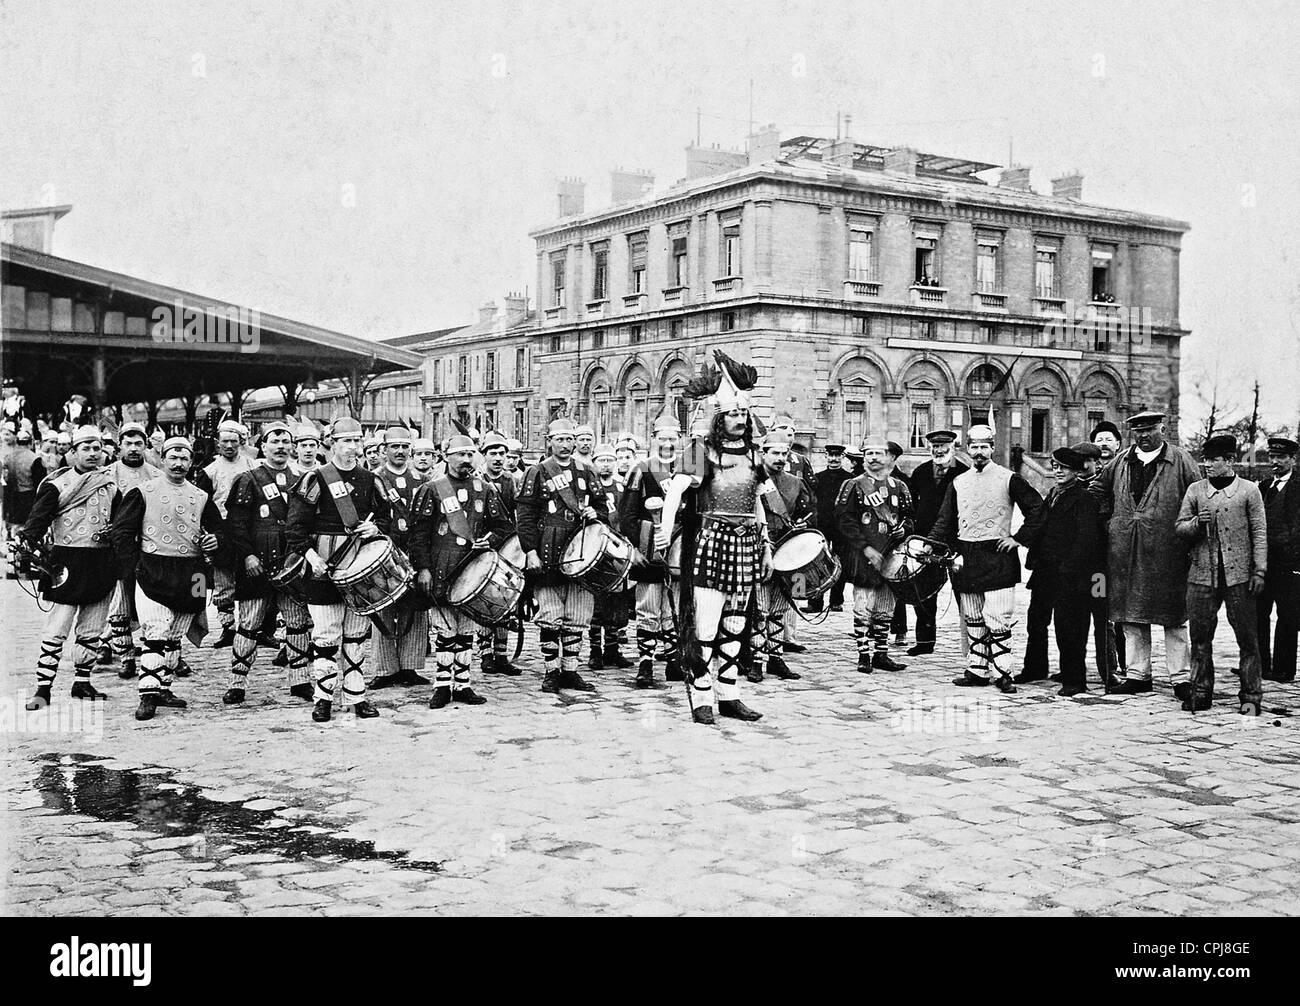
148, 797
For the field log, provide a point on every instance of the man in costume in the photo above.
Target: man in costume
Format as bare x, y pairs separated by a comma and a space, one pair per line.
164, 532
228, 465
640, 511
257, 510
424, 452
828, 482
559, 496
788, 505
455, 514
396, 656
338, 503
306, 448
929, 485
625, 457
976, 518
610, 611
492, 642
874, 513
514, 462
731, 554
584, 441
75, 507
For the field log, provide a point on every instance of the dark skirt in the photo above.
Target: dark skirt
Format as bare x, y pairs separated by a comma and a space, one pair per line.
728, 557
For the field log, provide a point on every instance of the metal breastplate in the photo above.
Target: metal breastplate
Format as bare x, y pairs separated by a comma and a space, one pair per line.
85, 525
983, 504
223, 474
172, 518
732, 488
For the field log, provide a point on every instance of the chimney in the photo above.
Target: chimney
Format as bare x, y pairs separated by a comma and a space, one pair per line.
1068, 186
630, 186
701, 162
487, 312
765, 145
901, 161
572, 193
840, 152
1015, 178
516, 304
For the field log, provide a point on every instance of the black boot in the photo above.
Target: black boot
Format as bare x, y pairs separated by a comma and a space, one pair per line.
148, 706
865, 666
754, 675
128, 668
227, 638
703, 714
281, 658
574, 680
382, 681
920, 650
105, 655
597, 660
1133, 686
673, 670
321, 712
183, 670
884, 662
737, 710
969, 680
303, 691
410, 678
789, 647
170, 701
551, 682
614, 657
85, 690
1026, 676
778, 668
1183, 691
489, 665
40, 699
233, 696
504, 666
364, 710
1004, 684
467, 696
645, 673
441, 697
1197, 703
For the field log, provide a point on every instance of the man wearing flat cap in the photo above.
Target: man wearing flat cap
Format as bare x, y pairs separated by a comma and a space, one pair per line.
584, 440
228, 465
1281, 492
1065, 558
929, 485
1140, 492
1222, 517
828, 483
306, 448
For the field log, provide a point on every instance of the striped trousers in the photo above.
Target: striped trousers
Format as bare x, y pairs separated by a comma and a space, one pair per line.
454, 640
873, 610
338, 632
773, 607
161, 632
87, 621
563, 611
989, 618
252, 612
407, 652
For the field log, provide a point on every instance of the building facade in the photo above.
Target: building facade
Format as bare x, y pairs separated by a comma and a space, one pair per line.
874, 290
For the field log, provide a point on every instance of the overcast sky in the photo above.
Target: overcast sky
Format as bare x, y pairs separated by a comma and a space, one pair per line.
374, 168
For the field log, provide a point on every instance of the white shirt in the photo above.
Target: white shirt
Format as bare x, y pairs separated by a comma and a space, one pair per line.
1146, 457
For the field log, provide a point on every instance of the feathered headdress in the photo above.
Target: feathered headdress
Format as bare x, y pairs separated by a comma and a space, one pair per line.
725, 387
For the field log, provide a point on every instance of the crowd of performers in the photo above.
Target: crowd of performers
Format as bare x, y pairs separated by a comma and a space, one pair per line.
375, 557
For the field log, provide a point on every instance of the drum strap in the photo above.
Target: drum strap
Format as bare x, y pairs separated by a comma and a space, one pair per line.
566, 494
264, 477
777, 503
457, 518
338, 489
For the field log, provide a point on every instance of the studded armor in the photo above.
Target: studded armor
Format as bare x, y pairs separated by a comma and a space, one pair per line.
172, 518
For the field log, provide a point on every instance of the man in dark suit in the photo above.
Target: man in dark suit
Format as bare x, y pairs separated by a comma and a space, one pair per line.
929, 484
1065, 557
1281, 492
829, 480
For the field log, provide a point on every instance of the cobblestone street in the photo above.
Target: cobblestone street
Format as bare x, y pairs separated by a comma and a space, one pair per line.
888, 793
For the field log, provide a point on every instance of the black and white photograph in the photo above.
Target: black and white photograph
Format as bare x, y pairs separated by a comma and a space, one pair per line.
772, 459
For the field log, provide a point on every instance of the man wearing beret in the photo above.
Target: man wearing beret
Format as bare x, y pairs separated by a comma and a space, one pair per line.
929, 485
228, 465
1222, 516
1066, 558
1140, 491
1281, 492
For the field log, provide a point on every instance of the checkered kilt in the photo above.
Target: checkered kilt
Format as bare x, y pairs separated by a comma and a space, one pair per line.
728, 557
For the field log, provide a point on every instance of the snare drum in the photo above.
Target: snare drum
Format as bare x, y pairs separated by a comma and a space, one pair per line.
290, 578
374, 576
805, 564
916, 569
487, 587
513, 552
599, 557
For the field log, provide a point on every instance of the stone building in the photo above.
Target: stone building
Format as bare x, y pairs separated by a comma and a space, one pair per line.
875, 290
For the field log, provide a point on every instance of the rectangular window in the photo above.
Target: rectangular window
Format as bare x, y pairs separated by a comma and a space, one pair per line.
521, 423
600, 271
861, 264
921, 425
731, 250
1046, 283
462, 374
678, 268
1095, 417
988, 275
1102, 290
555, 343
727, 322
634, 334
636, 252
926, 272
861, 324
855, 421
1039, 431
490, 380
598, 338
990, 333
675, 328
437, 376
521, 368
557, 282
490, 418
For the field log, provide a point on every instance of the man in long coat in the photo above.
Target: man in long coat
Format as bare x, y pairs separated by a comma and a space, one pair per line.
1141, 491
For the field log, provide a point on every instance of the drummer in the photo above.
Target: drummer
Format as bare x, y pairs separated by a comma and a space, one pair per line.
492, 641
654, 611
625, 448
424, 452
874, 513
306, 449
610, 612
789, 506
558, 497
584, 443
514, 462
329, 506
396, 657
454, 514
